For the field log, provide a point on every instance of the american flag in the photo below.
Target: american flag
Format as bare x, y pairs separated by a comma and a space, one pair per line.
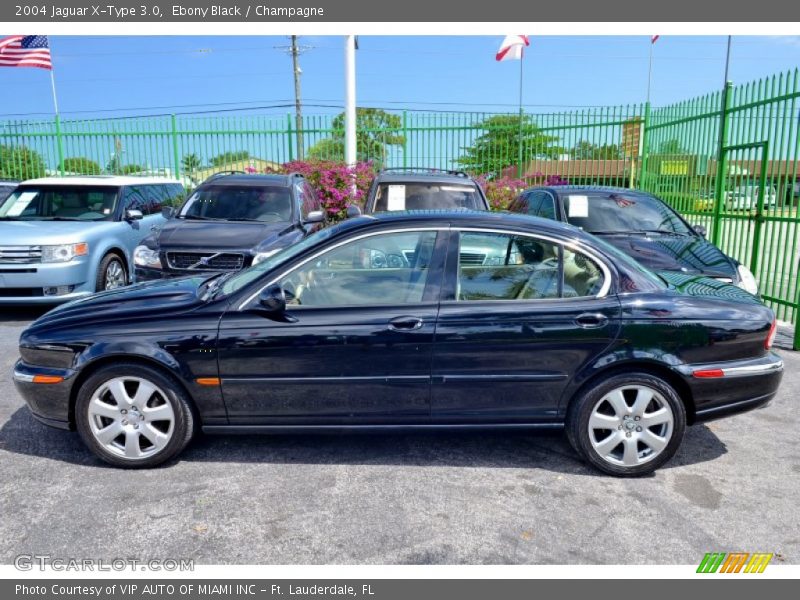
25, 51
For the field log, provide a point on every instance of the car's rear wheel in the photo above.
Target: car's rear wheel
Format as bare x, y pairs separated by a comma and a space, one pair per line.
111, 274
131, 415
628, 424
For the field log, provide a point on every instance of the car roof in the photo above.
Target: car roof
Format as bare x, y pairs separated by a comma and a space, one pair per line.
112, 180
422, 176
563, 190
280, 179
466, 218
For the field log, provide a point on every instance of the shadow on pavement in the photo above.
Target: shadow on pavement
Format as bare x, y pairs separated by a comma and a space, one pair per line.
16, 314
22, 434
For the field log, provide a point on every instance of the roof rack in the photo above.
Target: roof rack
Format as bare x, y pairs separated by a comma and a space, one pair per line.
223, 174
426, 171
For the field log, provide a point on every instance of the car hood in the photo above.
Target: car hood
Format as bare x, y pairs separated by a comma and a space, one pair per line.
35, 233
686, 254
217, 235
143, 300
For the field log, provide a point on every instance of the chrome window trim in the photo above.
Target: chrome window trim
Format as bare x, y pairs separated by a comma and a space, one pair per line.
253, 296
571, 245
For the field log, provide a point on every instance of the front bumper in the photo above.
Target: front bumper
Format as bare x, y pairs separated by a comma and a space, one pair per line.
725, 388
23, 283
49, 402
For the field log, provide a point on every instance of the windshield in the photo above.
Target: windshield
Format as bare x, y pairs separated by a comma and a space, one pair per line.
60, 203
244, 277
620, 213
426, 196
239, 203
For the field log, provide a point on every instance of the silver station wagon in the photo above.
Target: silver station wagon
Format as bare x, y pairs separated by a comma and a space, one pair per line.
63, 238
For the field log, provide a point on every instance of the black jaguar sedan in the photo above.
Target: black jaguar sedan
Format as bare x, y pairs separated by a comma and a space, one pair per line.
376, 324
640, 225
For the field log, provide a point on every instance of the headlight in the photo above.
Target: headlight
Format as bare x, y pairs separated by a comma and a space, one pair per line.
747, 281
145, 257
261, 256
64, 252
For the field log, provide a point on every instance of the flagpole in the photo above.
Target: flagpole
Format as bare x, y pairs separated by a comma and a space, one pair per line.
519, 157
650, 69
59, 141
53, 86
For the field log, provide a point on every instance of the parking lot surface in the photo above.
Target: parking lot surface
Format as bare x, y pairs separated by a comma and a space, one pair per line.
402, 498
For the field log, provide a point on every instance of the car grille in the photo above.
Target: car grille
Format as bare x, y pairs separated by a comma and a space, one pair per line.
205, 261
472, 258
20, 255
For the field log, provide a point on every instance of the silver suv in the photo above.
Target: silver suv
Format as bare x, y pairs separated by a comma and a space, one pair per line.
63, 238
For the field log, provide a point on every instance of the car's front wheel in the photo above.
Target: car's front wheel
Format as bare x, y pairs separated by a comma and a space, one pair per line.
627, 424
133, 416
111, 274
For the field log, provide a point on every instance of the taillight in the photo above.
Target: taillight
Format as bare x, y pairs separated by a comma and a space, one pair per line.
773, 329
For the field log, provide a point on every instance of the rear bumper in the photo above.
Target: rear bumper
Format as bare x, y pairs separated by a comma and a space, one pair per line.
731, 387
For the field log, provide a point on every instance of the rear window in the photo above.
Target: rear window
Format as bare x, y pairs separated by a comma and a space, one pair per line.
426, 196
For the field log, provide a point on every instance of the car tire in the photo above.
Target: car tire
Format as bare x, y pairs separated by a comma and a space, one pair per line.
111, 274
626, 425
153, 424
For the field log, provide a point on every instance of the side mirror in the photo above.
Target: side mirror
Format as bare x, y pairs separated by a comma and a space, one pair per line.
273, 299
133, 215
353, 211
315, 216
167, 212
700, 230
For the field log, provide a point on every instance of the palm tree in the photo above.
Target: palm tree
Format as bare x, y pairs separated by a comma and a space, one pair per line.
190, 163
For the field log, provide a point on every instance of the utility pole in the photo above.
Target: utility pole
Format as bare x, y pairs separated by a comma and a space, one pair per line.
295, 50
350, 100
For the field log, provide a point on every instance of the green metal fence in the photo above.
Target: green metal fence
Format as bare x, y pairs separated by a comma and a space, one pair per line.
727, 160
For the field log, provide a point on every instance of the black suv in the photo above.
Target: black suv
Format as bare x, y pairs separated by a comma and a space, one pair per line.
230, 222
423, 189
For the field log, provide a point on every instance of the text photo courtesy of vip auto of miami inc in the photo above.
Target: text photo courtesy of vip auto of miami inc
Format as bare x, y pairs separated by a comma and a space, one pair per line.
466, 300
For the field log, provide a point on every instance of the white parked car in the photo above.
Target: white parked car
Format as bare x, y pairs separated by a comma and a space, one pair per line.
745, 197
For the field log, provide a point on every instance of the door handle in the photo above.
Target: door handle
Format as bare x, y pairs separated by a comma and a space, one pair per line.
591, 320
405, 324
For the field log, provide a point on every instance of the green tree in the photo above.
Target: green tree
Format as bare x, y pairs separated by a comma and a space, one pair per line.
377, 131
190, 163
585, 150
131, 169
227, 158
672, 146
19, 162
498, 147
81, 165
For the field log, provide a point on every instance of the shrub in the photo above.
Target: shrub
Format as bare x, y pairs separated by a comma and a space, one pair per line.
19, 162
334, 183
81, 165
501, 191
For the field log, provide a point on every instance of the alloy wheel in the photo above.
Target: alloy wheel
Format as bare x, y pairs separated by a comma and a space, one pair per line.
630, 425
115, 275
131, 417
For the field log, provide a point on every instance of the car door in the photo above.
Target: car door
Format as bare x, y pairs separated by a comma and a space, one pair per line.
512, 331
356, 341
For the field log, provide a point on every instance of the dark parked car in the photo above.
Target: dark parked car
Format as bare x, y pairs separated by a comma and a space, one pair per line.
230, 222
639, 224
423, 189
6, 187
337, 332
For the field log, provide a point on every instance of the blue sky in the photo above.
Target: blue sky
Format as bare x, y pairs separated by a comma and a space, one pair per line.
150, 75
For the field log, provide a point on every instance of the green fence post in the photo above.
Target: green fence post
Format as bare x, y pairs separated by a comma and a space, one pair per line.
645, 146
519, 144
719, 184
289, 135
175, 159
405, 139
59, 146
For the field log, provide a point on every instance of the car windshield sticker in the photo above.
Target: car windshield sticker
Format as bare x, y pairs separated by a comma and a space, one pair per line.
20, 204
397, 197
578, 206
